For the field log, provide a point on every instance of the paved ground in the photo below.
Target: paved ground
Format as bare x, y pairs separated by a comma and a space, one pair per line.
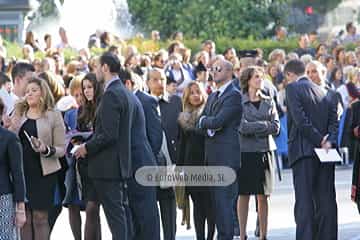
281, 220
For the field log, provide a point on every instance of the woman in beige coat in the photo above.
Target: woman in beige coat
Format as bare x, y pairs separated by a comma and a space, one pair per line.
42, 134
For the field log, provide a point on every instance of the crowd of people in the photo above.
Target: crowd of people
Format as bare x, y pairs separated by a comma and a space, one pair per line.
74, 134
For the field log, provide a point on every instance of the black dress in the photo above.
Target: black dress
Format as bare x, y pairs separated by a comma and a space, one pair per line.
40, 190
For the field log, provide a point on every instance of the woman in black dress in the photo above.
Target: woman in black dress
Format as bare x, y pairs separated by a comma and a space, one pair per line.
260, 121
42, 134
191, 153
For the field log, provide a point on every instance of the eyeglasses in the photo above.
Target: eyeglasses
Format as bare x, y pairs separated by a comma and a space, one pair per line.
216, 69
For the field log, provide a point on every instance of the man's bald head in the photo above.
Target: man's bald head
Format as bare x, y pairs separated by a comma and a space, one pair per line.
222, 71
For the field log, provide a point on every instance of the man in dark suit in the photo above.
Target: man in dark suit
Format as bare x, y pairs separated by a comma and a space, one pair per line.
312, 123
169, 109
220, 121
142, 199
109, 150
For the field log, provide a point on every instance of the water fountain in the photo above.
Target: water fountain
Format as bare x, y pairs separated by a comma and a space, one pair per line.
81, 18
335, 20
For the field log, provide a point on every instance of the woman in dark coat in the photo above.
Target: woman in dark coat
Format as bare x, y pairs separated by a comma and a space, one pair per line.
191, 153
12, 189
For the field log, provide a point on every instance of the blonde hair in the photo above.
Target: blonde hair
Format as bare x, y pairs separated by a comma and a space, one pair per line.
75, 84
352, 75
46, 101
186, 95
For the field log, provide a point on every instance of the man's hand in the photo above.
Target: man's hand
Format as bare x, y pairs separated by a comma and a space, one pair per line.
356, 132
80, 151
325, 144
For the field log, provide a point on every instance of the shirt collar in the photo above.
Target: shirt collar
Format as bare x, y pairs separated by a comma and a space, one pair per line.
110, 82
164, 97
222, 89
300, 77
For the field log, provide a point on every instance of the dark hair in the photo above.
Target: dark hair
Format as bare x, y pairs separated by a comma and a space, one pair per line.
348, 26
4, 79
47, 36
3, 64
20, 69
333, 75
319, 46
172, 46
88, 109
112, 61
227, 50
113, 48
124, 75
246, 75
295, 66
2, 106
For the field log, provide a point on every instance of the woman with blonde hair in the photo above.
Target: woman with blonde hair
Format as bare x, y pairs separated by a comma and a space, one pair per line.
42, 134
191, 153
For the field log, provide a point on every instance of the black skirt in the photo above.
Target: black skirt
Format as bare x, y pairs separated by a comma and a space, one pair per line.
252, 174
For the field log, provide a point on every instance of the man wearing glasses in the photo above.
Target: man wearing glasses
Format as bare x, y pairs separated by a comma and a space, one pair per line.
220, 121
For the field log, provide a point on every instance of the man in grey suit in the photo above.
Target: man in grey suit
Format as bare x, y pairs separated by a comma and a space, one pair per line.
312, 123
109, 149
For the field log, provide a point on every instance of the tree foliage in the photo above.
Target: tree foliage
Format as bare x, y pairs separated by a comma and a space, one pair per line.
208, 18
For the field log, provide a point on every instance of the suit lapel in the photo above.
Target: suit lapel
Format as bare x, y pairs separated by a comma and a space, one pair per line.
216, 106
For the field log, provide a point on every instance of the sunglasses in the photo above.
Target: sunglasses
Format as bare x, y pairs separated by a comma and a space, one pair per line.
216, 69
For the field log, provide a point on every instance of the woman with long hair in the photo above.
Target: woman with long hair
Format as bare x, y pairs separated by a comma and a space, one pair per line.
191, 153
92, 91
42, 134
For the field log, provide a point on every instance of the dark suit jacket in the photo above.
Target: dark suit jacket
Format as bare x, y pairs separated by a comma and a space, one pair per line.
141, 152
11, 164
311, 115
109, 149
170, 111
223, 149
153, 121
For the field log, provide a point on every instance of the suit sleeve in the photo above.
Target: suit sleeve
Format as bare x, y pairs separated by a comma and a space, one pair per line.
16, 168
333, 125
109, 115
298, 114
230, 109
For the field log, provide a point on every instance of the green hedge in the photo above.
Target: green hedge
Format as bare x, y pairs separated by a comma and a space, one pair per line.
267, 45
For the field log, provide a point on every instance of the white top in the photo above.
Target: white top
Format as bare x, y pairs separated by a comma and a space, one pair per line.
9, 100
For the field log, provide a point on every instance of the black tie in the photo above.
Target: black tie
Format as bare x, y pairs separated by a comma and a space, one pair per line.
216, 97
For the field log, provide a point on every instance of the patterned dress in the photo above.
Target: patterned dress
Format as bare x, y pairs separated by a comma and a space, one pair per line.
7, 218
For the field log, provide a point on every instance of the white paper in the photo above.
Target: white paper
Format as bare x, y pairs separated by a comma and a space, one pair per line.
330, 156
73, 150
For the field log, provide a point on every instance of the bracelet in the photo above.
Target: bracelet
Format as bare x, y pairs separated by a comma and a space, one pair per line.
47, 151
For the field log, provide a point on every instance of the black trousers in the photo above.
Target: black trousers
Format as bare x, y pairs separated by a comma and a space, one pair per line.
223, 199
315, 200
111, 195
145, 212
203, 213
167, 202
